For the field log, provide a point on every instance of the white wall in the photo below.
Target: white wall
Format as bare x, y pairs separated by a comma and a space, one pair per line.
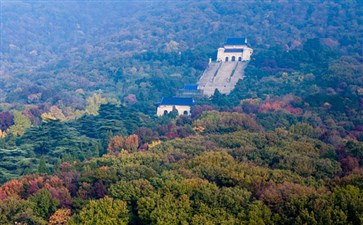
222, 57
246, 54
234, 46
169, 108
220, 54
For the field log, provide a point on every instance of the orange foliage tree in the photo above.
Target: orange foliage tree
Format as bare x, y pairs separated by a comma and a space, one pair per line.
115, 144
60, 217
132, 142
12, 188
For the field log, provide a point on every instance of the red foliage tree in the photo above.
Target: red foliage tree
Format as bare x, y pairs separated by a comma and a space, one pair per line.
349, 163
12, 188
198, 109
145, 134
56, 187
6, 120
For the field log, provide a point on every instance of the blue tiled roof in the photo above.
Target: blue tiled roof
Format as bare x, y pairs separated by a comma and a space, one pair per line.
236, 41
233, 50
177, 101
191, 87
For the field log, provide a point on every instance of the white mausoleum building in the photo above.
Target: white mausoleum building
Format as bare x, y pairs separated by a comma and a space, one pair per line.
235, 49
183, 105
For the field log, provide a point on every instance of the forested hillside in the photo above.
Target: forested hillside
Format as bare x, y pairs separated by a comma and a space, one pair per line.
211, 168
60, 53
80, 142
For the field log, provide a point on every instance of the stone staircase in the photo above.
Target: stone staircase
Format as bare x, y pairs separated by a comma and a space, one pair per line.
222, 76
209, 73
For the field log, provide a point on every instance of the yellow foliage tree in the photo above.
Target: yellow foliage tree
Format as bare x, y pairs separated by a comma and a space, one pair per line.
254, 101
54, 114
104, 211
154, 143
60, 217
57, 113
2, 134
94, 103
47, 116
21, 123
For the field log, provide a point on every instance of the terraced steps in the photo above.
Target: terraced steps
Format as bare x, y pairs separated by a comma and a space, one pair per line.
222, 76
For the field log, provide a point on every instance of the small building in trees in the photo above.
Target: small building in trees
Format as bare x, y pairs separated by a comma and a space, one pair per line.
189, 91
167, 105
234, 49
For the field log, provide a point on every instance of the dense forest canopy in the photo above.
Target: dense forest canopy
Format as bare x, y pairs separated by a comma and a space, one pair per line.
80, 142
51, 49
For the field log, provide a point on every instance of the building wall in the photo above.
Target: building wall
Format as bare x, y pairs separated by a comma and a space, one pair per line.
181, 109
247, 52
223, 56
234, 46
245, 55
220, 54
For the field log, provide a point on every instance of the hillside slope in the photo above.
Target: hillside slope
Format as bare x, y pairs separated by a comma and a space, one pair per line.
49, 48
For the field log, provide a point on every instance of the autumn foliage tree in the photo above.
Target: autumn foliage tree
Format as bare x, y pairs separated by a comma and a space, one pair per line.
60, 217
103, 211
284, 147
6, 120
132, 142
21, 123
115, 144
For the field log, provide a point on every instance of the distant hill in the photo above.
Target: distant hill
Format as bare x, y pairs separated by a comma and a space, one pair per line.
55, 48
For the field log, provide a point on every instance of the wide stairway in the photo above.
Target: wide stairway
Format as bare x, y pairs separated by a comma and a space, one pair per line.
209, 73
222, 76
